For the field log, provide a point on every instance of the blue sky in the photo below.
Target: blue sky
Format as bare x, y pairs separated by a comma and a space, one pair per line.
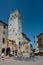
31, 12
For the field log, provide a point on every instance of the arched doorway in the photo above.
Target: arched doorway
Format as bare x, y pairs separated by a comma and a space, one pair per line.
15, 52
7, 51
3, 50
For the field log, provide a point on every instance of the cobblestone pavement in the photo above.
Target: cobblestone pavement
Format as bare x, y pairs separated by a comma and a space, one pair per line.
10, 61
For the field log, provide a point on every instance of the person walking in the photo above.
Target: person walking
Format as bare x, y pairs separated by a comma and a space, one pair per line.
2, 56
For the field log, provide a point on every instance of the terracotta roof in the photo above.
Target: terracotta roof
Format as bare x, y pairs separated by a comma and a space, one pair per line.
40, 34
26, 37
3, 22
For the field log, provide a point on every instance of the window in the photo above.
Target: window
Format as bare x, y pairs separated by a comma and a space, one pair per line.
15, 14
3, 40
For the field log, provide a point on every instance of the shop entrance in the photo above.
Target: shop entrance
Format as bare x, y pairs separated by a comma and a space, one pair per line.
3, 50
7, 51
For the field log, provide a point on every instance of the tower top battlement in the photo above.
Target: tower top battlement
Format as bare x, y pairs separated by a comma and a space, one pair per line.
15, 13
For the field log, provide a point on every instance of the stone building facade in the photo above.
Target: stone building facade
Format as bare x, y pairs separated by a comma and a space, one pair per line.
3, 36
40, 43
25, 46
11, 37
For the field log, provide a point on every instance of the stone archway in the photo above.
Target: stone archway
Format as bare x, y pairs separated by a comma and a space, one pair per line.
3, 50
8, 51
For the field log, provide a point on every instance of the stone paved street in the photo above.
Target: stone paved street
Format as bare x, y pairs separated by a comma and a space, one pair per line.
10, 61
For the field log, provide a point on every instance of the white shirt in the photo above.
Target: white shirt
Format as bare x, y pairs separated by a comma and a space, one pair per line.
2, 54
